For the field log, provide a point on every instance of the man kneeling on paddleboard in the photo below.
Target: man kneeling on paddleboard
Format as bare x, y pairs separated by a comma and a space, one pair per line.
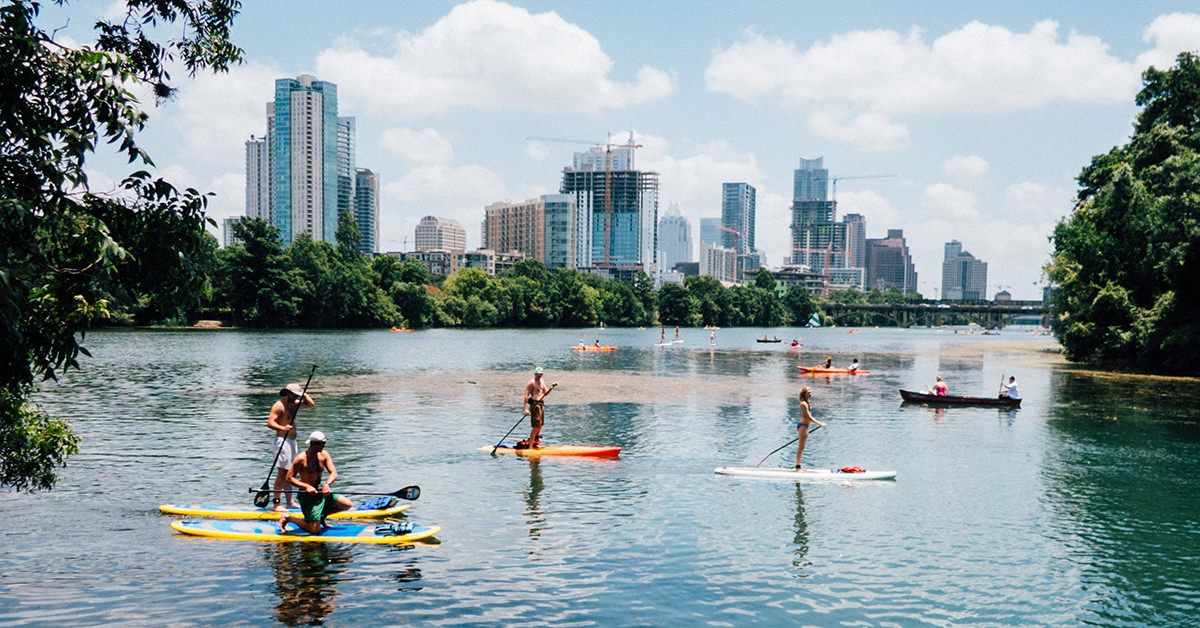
316, 502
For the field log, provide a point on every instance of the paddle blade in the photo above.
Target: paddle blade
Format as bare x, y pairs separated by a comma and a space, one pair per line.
409, 492
262, 497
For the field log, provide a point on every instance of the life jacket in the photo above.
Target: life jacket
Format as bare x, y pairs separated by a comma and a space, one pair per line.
855, 469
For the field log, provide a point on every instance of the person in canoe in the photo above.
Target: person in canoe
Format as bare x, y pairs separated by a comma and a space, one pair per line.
281, 419
1010, 389
316, 500
829, 362
939, 387
806, 418
535, 405
853, 368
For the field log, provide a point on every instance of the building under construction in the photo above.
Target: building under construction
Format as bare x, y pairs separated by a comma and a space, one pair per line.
617, 210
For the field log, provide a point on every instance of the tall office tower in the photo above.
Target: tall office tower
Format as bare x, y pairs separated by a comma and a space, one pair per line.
616, 209
811, 181
540, 228
304, 158
440, 234
718, 262
674, 238
889, 263
346, 170
258, 189
737, 216
964, 278
366, 209
856, 240
710, 233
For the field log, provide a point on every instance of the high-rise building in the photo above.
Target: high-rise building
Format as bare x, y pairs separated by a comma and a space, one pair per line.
540, 228
616, 209
710, 232
366, 209
737, 216
433, 233
718, 262
964, 278
819, 242
889, 264
258, 178
228, 237
304, 158
674, 238
346, 170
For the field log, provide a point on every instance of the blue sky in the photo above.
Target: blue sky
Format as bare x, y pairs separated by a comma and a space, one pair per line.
983, 112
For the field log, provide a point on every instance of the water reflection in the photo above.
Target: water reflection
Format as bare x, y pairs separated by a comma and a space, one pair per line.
800, 558
305, 575
534, 517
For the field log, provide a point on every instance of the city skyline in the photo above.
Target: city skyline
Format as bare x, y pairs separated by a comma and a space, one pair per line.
983, 114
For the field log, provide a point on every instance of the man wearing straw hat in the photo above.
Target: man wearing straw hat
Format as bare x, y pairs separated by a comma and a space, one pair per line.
282, 419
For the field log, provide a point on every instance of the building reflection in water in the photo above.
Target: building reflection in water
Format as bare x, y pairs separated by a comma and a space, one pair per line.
305, 579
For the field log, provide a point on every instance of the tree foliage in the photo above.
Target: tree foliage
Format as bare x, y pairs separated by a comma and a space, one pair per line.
1126, 262
65, 248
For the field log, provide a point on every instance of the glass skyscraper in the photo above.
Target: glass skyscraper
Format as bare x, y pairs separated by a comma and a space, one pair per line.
674, 238
366, 209
617, 220
737, 214
304, 158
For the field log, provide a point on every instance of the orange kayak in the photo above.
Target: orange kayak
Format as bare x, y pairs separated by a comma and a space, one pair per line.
821, 369
594, 348
556, 450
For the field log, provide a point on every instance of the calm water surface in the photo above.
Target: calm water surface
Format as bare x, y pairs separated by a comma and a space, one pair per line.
1079, 508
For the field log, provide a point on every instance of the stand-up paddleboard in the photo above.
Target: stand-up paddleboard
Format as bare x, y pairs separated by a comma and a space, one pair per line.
555, 450
807, 475
252, 512
336, 532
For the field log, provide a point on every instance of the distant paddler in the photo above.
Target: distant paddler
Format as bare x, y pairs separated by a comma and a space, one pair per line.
317, 501
535, 406
282, 419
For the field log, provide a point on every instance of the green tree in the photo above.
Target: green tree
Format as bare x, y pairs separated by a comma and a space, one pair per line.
764, 279
62, 245
348, 236
676, 306
711, 297
798, 304
1126, 262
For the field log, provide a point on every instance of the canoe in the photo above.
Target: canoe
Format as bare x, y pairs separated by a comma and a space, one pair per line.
958, 400
342, 532
555, 450
821, 369
767, 340
807, 475
594, 348
253, 512
396, 329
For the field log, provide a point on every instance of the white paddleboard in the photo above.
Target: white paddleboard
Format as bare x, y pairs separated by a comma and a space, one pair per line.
807, 475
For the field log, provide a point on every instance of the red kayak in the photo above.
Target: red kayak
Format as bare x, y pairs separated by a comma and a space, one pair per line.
821, 369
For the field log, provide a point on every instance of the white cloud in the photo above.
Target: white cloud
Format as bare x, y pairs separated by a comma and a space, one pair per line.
877, 209
965, 166
424, 146
218, 112
455, 192
536, 150
1037, 201
866, 131
1171, 34
955, 202
492, 56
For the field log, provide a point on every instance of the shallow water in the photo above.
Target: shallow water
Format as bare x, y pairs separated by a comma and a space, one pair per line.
1078, 508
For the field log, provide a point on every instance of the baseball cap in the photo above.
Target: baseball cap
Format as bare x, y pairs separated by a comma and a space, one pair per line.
316, 436
538, 370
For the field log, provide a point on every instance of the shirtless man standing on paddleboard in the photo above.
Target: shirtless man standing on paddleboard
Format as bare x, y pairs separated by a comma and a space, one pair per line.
316, 500
282, 419
535, 406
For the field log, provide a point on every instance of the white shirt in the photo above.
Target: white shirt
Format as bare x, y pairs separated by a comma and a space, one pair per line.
1010, 390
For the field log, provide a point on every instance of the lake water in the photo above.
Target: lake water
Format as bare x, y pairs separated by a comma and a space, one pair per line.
1079, 508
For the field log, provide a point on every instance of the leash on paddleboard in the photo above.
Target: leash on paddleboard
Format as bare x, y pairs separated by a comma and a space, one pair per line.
810, 431
510, 430
263, 497
409, 492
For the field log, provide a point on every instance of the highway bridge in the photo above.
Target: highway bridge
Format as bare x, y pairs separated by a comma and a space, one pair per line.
987, 314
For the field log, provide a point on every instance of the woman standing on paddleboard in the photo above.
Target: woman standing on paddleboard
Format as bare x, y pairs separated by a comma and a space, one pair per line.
806, 418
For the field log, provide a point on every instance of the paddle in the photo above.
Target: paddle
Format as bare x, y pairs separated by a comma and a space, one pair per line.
510, 430
409, 492
810, 431
1001, 393
263, 497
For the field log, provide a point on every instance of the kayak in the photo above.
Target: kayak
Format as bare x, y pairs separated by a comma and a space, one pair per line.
342, 532
398, 329
253, 512
807, 475
821, 369
556, 450
959, 400
767, 340
594, 348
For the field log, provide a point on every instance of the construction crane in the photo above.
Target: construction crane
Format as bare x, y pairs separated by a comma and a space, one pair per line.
608, 146
865, 176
